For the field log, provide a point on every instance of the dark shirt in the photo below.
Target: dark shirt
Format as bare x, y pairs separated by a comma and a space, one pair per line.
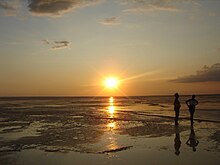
176, 104
192, 103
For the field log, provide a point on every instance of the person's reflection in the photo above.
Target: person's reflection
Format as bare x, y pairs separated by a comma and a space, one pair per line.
177, 141
192, 141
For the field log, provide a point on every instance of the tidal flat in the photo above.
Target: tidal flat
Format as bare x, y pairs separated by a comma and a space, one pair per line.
111, 133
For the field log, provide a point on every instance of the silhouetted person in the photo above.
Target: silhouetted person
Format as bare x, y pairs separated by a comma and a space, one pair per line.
191, 103
192, 141
176, 108
177, 142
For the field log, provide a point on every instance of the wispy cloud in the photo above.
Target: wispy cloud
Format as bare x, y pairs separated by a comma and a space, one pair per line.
110, 21
206, 74
57, 44
143, 6
10, 7
6, 5
61, 44
150, 8
56, 8
46, 41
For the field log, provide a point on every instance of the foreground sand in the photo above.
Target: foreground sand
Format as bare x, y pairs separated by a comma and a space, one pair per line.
92, 137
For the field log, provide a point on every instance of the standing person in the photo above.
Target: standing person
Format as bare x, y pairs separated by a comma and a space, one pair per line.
176, 108
191, 103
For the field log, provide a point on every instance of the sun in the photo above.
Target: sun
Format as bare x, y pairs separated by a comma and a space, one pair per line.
111, 82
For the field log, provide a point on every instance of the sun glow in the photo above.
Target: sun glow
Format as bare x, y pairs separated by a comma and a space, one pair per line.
111, 82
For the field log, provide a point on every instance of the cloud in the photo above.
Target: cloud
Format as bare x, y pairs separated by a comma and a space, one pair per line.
46, 41
6, 5
61, 44
143, 6
9, 7
57, 44
164, 8
56, 8
206, 74
110, 21
150, 8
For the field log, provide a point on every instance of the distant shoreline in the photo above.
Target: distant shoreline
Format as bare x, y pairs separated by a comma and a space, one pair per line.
102, 96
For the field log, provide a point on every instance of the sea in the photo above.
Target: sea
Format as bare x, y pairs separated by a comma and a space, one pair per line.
108, 130
207, 109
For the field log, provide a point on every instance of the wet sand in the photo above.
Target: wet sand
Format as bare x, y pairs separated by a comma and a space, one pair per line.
105, 136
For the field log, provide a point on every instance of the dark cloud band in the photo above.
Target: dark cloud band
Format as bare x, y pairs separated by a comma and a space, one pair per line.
56, 7
206, 74
57, 44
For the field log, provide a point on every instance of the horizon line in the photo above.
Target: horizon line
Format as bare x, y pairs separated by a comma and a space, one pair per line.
153, 95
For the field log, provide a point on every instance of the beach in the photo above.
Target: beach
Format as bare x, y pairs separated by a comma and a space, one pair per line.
109, 82
108, 130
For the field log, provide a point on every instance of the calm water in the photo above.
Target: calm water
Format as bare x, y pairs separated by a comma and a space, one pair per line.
108, 130
208, 108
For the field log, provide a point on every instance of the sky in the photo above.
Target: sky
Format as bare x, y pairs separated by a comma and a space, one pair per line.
68, 47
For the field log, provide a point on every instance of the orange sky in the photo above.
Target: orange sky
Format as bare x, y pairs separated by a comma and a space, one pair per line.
154, 47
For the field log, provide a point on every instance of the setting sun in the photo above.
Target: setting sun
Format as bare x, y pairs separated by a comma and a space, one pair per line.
111, 82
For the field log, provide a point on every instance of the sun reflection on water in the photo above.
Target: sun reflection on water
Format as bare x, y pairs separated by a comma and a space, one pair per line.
111, 125
111, 110
111, 113
112, 143
111, 100
111, 107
